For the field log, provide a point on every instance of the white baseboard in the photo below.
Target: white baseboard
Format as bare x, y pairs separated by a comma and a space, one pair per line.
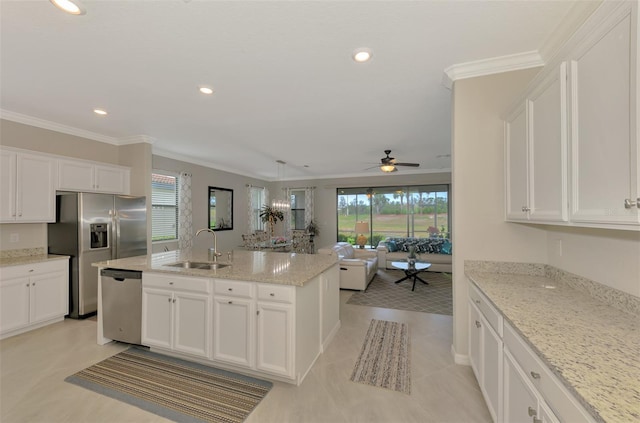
462, 359
331, 335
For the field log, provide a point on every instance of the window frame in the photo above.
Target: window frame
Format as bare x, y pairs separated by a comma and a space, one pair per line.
156, 206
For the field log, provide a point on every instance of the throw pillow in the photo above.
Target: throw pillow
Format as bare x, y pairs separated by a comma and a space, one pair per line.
446, 247
392, 246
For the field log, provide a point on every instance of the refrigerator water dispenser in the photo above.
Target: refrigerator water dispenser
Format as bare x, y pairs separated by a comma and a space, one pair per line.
99, 235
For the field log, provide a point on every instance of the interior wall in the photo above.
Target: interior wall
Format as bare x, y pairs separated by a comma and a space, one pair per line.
30, 235
479, 229
28, 137
202, 178
609, 257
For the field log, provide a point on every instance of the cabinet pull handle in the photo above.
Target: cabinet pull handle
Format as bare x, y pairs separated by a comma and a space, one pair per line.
33, 284
30, 270
230, 302
170, 283
230, 289
629, 203
477, 301
532, 412
27, 285
169, 299
272, 294
535, 375
174, 301
478, 324
535, 420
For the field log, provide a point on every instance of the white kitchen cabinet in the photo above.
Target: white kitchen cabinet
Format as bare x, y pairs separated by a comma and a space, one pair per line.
27, 187
176, 314
485, 351
275, 338
522, 402
547, 149
233, 330
605, 153
536, 152
79, 175
516, 181
33, 295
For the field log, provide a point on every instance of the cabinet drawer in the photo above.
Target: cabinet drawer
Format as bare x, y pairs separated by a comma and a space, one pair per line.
279, 293
233, 288
490, 313
563, 404
157, 280
33, 269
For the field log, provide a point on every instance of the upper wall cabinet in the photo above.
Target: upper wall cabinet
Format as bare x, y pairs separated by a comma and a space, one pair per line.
604, 115
78, 175
27, 187
571, 141
536, 153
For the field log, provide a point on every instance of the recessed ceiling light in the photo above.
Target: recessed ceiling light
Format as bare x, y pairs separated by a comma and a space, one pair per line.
99, 112
206, 90
73, 7
362, 55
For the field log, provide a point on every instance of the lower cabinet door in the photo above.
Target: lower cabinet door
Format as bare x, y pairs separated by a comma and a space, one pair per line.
14, 304
492, 357
48, 296
233, 331
275, 336
157, 308
192, 323
475, 333
520, 401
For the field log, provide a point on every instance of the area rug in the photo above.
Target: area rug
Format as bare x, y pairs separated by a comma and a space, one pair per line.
175, 389
382, 292
384, 358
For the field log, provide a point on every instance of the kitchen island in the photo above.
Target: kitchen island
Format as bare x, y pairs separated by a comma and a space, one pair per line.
259, 313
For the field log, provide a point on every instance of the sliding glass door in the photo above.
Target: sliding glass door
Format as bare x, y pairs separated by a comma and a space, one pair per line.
420, 211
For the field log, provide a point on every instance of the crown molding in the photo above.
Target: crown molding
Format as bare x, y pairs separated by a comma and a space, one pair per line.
136, 139
574, 19
511, 62
57, 127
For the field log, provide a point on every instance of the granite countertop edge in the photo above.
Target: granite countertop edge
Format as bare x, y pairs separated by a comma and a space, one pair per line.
41, 258
519, 315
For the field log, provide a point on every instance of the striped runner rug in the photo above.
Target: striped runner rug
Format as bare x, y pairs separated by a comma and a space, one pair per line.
176, 389
384, 358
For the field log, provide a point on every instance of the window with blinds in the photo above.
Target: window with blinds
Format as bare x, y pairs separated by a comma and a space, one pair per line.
164, 207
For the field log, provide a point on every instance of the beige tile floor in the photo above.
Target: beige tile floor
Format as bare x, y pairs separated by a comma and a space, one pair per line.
33, 367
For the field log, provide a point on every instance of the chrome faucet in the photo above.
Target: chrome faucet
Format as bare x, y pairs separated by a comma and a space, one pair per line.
213, 252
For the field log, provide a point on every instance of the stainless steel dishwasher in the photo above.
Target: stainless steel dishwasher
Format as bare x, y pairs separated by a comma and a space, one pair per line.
122, 305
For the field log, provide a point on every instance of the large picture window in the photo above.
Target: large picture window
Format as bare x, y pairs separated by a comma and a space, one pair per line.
164, 207
402, 211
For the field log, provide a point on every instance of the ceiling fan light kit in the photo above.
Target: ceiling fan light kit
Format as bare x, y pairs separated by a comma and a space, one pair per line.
388, 164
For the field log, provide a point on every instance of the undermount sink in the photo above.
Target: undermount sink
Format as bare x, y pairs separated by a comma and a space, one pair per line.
198, 265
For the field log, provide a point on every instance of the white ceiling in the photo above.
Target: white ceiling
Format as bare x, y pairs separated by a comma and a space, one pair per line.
285, 85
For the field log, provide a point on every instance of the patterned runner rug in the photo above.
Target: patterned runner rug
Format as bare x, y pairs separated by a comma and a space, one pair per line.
175, 389
384, 358
382, 292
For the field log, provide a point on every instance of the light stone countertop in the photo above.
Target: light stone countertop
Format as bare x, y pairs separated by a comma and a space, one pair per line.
592, 347
254, 266
39, 258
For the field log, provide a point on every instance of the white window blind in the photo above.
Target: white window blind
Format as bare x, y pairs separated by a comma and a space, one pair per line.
164, 207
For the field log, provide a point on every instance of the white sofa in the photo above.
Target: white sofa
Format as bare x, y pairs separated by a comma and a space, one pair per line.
430, 251
357, 267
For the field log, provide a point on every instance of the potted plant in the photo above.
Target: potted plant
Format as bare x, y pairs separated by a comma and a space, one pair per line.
313, 229
270, 215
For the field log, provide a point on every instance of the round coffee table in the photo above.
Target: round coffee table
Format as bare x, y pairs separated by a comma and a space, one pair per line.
411, 271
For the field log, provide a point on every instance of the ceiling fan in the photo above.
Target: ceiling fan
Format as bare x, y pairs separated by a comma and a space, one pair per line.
388, 164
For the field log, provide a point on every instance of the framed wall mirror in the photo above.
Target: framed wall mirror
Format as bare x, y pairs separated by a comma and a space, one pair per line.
220, 209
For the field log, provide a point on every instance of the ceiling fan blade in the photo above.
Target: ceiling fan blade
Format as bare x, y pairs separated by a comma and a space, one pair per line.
407, 164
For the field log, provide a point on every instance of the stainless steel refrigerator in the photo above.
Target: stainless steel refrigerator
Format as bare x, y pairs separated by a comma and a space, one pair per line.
93, 227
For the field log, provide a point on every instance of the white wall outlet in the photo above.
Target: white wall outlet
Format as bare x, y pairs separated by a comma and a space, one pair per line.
14, 238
